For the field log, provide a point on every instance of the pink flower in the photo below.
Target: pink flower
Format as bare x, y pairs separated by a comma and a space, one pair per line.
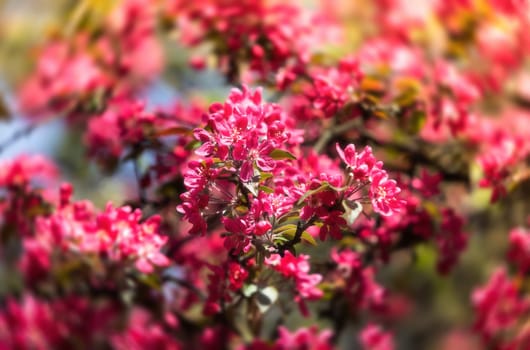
334, 87
297, 269
252, 154
303, 339
236, 275
30, 323
451, 240
427, 184
348, 262
25, 169
238, 236
519, 252
374, 338
115, 235
143, 333
360, 164
264, 36
384, 194
498, 305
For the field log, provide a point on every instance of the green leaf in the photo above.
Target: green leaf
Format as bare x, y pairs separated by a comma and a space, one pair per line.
265, 176
266, 189
306, 236
287, 231
292, 216
193, 145
279, 154
416, 122
280, 240
322, 187
282, 229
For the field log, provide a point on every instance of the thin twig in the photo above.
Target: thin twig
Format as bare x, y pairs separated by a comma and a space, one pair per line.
17, 135
332, 131
141, 191
326, 136
300, 228
186, 284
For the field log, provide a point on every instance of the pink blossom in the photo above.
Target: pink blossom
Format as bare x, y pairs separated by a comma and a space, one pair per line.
297, 268
25, 169
87, 66
427, 184
451, 241
236, 275
142, 333
267, 36
115, 235
374, 338
498, 305
304, 338
359, 164
384, 193
30, 323
519, 252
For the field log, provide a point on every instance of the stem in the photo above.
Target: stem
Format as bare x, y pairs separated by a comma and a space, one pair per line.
141, 191
187, 285
17, 135
416, 151
300, 228
334, 130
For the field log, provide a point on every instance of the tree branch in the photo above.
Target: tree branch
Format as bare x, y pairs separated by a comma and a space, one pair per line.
17, 135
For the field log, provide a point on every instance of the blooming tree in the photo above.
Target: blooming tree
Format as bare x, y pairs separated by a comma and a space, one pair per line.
353, 152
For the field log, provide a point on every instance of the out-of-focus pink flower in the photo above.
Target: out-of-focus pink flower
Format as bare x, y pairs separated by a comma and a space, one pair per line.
115, 235
304, 339
143, 333
23, 170
519, 251
297, 268
374, 338
451, 241
498, 305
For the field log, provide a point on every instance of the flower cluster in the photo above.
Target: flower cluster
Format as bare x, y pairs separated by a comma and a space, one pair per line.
460, 27
363, 169
142, 332
297, 269
357, 282
25, 193
238, 145
331, 89
503, 145
266, 35
519, 252
451, 241
374, 338
24, 171
72, 76
499, 307
36, 324
344, 189
116, 236
124, 123
303, 338
31, 323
